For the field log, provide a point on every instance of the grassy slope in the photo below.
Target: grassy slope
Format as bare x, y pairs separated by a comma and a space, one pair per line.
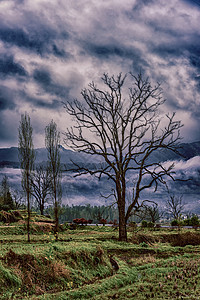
78, 266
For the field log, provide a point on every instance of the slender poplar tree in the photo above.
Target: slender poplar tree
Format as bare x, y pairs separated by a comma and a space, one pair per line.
26, 158
52, 141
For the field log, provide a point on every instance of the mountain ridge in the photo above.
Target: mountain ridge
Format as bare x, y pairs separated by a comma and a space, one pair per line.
9, 156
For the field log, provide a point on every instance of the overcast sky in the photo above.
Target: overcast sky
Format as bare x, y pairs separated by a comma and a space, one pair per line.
51, 49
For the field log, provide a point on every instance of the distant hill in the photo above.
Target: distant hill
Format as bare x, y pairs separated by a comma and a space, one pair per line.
186, 150
9, 156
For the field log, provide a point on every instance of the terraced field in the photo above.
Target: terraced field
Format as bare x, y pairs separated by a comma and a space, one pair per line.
90, 263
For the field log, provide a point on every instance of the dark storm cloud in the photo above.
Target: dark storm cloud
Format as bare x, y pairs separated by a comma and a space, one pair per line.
179, 47
105, 50
59, 52
109, 50
193, 2
43, 78
52, 104
39, 39
19, 38
8, 67
55, 48
8, 128
6, 99
194, 54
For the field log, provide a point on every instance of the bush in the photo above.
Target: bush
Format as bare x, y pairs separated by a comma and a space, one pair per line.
81, 221
186, 222
194, 221
103, 221
144, 224
175, 223
150, 225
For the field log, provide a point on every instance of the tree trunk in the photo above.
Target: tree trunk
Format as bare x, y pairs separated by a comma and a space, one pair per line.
42, 209
56, 220
122, 224
56, 211
29, 216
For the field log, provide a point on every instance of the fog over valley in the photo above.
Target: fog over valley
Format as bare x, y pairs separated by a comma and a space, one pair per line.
87, 189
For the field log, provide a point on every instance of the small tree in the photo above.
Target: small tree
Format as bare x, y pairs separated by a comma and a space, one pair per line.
26, 158
194, 221
101, 213
149, 213
121, 125
52, 141
6, 202
175, 205
41, 186
18, 198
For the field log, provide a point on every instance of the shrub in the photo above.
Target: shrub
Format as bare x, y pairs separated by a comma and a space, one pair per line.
150, 225
103, 221
81, 221
194, 221
186, 222
144, 224
175, 223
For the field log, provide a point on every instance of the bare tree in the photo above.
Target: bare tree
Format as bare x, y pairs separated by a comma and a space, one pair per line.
26, 158
122, 126
18, 198
41, 186
100, 213
175, 205
52, 141
149, 213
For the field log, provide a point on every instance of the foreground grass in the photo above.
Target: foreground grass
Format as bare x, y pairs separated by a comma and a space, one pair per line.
78, 266
172, 279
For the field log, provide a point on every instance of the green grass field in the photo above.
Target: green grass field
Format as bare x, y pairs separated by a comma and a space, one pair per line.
160, 264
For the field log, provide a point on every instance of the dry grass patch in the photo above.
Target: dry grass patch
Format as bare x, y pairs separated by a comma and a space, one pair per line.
145, 238
182, 239
142, 260
38, 275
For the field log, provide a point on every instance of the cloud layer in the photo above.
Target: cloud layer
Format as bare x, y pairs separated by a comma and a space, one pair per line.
89, 190
50, 50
